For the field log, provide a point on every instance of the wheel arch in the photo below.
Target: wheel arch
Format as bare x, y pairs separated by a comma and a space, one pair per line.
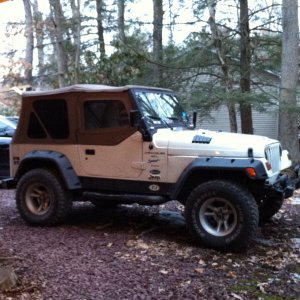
206, 169
51, 160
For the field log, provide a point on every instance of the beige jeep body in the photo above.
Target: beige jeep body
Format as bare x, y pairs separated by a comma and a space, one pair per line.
136, 144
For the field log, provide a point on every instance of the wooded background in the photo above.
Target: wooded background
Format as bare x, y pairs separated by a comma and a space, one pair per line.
230, 42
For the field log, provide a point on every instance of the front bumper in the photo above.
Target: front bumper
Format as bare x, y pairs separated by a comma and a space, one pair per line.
285, 185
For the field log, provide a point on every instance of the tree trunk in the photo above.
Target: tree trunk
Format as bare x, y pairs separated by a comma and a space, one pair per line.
39, 35
121, 22
76, 28
245, 60
100, 27
58, 19
157, 41
288, 129
171, 18
29, 42
218, 44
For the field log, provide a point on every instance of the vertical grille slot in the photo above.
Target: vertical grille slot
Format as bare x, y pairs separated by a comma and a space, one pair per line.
273, 156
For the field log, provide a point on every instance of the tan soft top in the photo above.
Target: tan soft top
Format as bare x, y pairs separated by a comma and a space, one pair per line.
88, 88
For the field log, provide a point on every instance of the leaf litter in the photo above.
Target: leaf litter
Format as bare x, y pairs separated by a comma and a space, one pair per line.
139, 252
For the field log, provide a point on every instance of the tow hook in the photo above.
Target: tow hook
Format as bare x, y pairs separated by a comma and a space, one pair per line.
296, 176
283, 181
292, 183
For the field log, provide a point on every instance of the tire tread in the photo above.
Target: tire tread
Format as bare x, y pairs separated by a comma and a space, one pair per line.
62, 202
245, 198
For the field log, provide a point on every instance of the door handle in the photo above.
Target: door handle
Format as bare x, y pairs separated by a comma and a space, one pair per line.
89, 151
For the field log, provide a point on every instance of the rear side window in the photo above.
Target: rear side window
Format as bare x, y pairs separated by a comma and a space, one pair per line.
50, 116
35, 129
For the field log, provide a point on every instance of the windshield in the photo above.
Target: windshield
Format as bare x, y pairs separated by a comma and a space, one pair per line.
161, 109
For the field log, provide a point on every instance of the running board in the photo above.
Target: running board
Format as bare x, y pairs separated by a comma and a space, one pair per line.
126, 198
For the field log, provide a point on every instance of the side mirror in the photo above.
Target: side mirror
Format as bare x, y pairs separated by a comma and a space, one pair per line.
194, 119
135, 118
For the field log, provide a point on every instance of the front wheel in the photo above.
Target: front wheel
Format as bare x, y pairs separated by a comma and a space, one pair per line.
222, 215
41, 198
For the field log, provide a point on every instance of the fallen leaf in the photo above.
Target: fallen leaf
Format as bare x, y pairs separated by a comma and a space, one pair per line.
236, 296
272, 253
201, 262
261, 287
130, 243
253, 259
141, 245
186, 283
231, 274
199, 270
185, 253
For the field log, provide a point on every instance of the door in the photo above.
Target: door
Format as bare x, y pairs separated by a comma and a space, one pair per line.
108, 146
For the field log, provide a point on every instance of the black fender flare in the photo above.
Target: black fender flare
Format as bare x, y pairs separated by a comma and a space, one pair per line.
60, 161
220, 164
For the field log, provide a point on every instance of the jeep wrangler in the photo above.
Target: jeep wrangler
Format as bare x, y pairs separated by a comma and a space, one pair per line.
134, 144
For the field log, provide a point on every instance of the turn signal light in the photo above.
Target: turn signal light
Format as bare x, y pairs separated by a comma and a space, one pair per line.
251, 172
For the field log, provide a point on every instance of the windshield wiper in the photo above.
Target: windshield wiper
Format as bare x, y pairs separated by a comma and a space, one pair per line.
160, 119
185, 123
173, 118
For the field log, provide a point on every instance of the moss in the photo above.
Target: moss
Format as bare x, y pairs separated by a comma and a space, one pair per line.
243, 288
295, 269
275, 297
289, 171
251, 287
247, 286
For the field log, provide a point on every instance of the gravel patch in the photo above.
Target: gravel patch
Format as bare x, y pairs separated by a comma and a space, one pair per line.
141, 252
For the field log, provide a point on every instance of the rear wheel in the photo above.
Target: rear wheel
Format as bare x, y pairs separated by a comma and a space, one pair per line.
41, 198
222, 215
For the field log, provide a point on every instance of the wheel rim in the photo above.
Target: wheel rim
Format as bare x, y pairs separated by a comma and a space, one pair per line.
218, 216
38, 199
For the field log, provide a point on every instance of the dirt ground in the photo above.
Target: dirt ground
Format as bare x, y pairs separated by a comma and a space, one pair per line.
138, 252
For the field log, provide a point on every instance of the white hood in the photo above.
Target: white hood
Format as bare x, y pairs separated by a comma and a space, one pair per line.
223, 144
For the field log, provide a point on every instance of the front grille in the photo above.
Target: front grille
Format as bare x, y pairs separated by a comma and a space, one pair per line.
273, 153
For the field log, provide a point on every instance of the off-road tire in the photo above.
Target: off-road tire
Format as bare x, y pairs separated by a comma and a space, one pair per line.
269, 207
42, 199
222, 215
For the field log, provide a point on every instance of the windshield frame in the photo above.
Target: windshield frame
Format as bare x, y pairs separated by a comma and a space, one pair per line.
165, 119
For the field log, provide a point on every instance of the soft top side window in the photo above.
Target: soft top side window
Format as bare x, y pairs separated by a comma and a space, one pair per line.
50, 115
105, 114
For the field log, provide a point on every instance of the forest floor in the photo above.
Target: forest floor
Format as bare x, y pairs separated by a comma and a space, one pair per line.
140, 252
